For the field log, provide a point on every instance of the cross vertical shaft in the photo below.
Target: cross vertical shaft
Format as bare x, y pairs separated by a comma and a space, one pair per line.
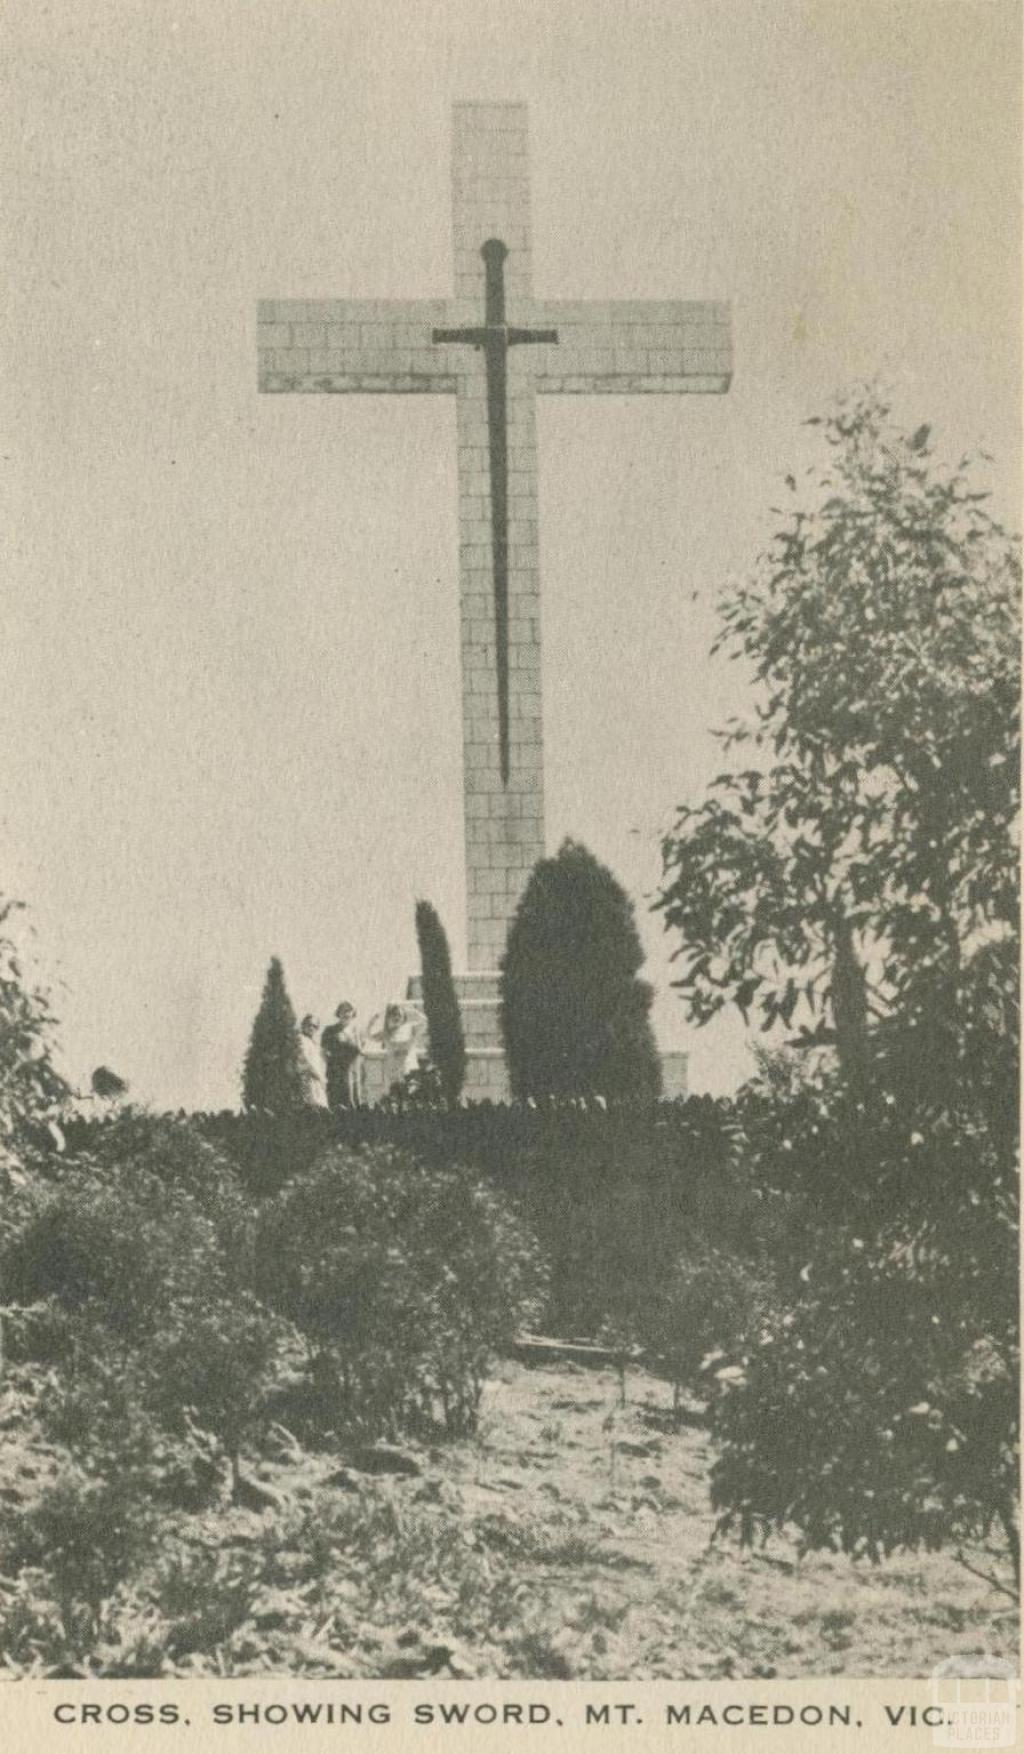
494, 339
499, 559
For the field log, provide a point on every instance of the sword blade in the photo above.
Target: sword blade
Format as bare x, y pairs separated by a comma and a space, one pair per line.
494, 340
496, 355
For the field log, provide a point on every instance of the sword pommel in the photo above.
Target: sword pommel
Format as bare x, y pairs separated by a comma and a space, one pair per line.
494, 253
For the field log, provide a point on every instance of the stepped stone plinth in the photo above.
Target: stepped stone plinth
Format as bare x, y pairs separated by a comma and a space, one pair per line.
486, 1073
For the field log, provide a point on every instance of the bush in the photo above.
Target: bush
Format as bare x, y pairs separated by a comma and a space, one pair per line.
173, 1151
134, 1266
441, 1004
273, 1075
574, 1015
119, 1248
615, 1197
607, 1191
864, 1421
84, 1535
142, 1213
709, 1308
99, 1405
405, 1279
880, 1412
214, 1364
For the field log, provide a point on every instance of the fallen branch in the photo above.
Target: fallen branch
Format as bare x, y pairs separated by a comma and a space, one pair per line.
993, 1582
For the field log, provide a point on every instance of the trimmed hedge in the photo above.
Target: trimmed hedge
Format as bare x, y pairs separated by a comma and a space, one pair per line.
612, 1194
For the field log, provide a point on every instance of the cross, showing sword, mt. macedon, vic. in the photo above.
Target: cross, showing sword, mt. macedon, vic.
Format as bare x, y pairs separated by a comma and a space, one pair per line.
528, 346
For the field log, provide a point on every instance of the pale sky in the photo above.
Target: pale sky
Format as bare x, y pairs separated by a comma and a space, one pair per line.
229, 696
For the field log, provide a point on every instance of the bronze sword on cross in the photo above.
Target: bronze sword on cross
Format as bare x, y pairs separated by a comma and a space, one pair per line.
494, 340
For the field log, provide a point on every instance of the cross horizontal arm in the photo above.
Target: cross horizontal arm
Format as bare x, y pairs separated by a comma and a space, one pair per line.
622, 347
356, 346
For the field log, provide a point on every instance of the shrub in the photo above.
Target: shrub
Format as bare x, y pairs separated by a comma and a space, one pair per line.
96, 1244
173, 1151
615, 1196
273, 1077
607, 1191
268, 1150
214, 1364
574, 1015
205, 1597
166, 1414
133, 1264
85, 1535
406, 1280
134, 1146
440, 1002
143, 1213
710, 1306
881, 1412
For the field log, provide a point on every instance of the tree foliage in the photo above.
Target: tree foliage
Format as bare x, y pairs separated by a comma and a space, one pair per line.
855, 877
856, 882
440, 1002
273, 1081
574, 1014
877, 1406
31, 1088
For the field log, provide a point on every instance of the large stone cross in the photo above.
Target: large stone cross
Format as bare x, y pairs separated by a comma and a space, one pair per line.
473, 346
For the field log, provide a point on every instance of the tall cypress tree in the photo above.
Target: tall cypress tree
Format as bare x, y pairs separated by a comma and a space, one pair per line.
272, 1076
444, 1019
574, 1015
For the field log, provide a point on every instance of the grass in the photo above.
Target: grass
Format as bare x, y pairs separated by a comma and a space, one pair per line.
569, 1539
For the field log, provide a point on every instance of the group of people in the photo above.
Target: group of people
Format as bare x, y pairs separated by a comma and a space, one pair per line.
334, 1058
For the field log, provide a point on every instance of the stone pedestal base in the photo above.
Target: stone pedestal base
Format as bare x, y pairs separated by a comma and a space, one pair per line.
674, 1074
486, 1073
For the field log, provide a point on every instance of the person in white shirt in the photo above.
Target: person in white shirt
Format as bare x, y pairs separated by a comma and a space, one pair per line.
312, 1062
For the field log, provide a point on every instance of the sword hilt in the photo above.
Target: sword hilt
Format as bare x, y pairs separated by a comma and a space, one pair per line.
494, 253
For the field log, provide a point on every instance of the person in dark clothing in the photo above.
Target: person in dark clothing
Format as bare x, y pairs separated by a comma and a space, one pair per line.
342, 1049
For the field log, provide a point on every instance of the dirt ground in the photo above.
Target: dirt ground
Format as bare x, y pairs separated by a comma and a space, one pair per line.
570, 1538
669, 1603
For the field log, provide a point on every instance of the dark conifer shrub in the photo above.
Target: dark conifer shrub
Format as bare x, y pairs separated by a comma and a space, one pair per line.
574, 1015
444, 1020
272, 1076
